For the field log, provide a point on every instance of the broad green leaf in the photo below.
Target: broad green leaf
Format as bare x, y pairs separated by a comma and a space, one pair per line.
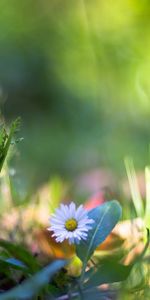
105, 216
22, 254
109, 272
34, 284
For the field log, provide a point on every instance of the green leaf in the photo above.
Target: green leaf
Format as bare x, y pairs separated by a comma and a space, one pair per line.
109, 272
22, 254
105, 216
5, 140
33, 285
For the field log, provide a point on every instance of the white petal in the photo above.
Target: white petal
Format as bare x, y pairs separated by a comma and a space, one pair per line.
72, 209
86, 221
71, 240
80, 213
49, 229
64, 210
59, 214
57, 219
55, 223
60, 239
56, 227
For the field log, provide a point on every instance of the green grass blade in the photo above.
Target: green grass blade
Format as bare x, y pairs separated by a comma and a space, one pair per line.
147, 206
135, 193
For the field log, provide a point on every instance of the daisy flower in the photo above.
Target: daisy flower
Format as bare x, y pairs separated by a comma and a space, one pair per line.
71, 223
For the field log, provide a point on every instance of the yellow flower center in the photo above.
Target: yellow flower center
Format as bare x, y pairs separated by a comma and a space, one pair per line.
71, 224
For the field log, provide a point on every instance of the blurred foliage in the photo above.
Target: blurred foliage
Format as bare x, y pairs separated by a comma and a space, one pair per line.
78, 74
34, 266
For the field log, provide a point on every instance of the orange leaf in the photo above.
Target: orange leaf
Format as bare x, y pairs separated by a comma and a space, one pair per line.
50, 247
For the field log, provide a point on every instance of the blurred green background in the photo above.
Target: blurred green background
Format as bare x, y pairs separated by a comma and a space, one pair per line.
78, 74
